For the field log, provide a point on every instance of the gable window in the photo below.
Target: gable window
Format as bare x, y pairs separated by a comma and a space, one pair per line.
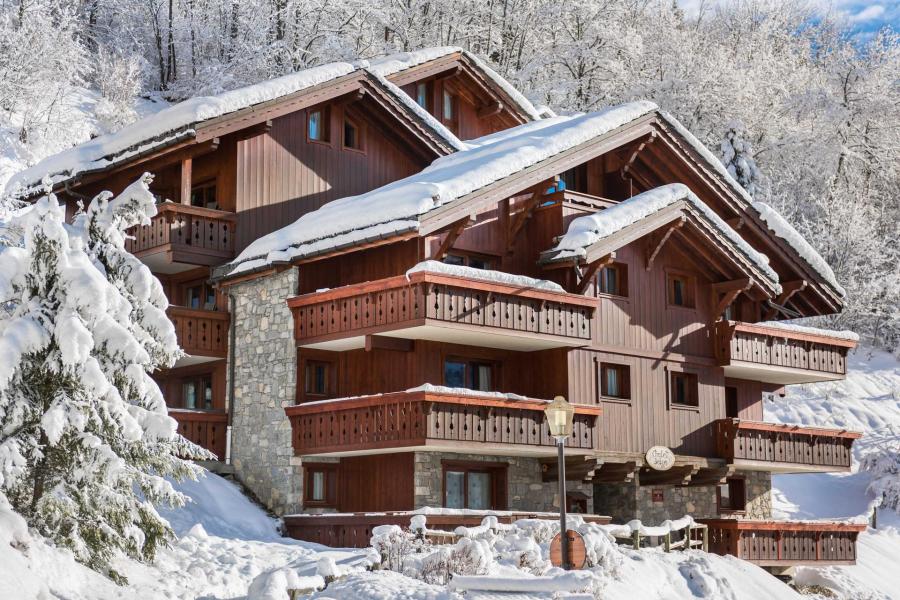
316, 378
470, 374
683, 389
615, 381
613, 280
731, 496
317, 124
423, 95
320, 485
680, 290
475, 485
204, 195
352, 135
197, 393
475, 261
449, 110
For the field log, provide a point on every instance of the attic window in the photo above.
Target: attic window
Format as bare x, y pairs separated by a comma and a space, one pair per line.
680, 290
423, 95
317, 124
449, 111
352, 135
613, 280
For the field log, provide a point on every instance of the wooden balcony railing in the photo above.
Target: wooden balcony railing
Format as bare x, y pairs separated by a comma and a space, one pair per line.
201, 332
775, 446
420, 418
785, 543
205, 428
443, 308
776, 355
188, 234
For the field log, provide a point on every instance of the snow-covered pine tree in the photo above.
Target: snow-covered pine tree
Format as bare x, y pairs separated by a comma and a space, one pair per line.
737, 156
85, 441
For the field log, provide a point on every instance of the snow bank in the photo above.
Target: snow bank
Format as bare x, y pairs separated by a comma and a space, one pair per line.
843, 335
589, 229
573, 581
434, 266
784, 230
398, 206
275, 585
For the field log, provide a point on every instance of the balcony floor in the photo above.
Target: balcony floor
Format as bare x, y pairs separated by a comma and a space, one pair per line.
777, 374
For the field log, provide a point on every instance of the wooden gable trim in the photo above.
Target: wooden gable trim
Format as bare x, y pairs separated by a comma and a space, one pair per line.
725, 292
788, 289
657, 241
527, 210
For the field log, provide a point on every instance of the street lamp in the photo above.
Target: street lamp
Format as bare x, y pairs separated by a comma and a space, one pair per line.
560, 415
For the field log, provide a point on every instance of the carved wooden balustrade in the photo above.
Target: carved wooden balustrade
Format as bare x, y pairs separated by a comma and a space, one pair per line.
423, 418
205, 428
428, 305
785, 543
790, 446
779, 355
188, 234
201, 332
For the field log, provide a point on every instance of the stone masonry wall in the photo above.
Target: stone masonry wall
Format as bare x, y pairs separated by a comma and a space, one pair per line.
265, 361
624, 502
526, 490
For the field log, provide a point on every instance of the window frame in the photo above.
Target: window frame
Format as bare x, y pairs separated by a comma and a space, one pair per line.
205, 289
624, 381
452, 122
311, 358
622, 281
499, 478
205, 186
690, 289
693, 389
469, 362
360, 134
198, 379
735, 484
467, 257
429, 94
325, 111
330, 471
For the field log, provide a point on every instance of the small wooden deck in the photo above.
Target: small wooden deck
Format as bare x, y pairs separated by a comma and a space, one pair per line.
206, 428
774, 355
442, 307
181, 236
354, 530
785, 543
434, 419
201, 332
775, 446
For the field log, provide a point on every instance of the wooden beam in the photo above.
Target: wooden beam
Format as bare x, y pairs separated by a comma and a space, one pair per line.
578, 468
735, 222
609, 472
677, 475
724, 293
453, 234
712, 475
657, 241
489, 110
788, 289
625, 174
518, 224
381, 342
186, 175
592, 270
254, 130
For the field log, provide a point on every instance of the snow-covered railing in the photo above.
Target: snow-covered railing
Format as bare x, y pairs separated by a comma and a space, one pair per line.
680, 534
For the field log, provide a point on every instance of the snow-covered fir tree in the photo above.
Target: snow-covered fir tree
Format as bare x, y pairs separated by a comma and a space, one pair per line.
736, 153
85, 440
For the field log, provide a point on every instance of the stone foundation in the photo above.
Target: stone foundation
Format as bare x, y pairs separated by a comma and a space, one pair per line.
627, 501
525, 489
265, 365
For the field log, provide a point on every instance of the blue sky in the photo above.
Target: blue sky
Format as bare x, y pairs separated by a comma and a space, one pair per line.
864, 17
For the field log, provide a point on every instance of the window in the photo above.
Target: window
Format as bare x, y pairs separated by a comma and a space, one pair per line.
449, 111
320, 485
613, 280
683, 389
423, 95
474, 375
680, 290
352, 135
197, 393
200, 296
317, 124
315, 378
470, 260
204, 195
615, 381
476, 485
732, 495
731, 402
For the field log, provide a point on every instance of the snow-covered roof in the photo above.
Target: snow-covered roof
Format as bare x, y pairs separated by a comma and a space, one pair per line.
178, 122
399, 206
585, 231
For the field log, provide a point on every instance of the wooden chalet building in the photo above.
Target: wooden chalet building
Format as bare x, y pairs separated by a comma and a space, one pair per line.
377, 310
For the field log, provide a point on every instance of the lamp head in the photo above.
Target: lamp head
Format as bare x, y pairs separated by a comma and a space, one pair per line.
560, 415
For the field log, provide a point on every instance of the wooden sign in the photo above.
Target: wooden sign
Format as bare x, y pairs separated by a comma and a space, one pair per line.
660, 458
577, 550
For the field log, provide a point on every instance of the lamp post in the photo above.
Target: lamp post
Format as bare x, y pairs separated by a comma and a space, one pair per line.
559, 418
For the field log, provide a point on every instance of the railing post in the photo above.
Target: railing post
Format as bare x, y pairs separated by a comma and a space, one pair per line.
636, 539
706, 538
667, 541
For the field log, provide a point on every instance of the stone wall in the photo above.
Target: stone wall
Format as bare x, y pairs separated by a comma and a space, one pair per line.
526, 491
265, 360
624, 502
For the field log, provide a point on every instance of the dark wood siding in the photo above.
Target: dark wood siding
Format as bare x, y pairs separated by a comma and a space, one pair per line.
376, 483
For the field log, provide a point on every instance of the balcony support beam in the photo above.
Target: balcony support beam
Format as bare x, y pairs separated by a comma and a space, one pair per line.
788, 289
518, 224
658, 240
187, 164
453, 233
725, 292
592, 269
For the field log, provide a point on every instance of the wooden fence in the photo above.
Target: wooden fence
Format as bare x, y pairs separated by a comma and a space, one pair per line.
201, 332
205, 428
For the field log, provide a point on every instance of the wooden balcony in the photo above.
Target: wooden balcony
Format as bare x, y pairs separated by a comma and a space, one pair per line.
775, 355
785, 543
205, 428
446, 308
202, 334
784, 448
433, 421
182, 237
